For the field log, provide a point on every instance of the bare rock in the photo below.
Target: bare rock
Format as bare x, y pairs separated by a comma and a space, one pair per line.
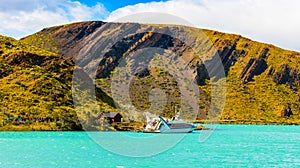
287, 75
254, 67
286, 112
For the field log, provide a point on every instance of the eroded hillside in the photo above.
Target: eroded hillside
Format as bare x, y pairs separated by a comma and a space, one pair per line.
262, 80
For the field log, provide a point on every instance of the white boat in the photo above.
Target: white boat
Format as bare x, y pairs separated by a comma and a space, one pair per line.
175, 125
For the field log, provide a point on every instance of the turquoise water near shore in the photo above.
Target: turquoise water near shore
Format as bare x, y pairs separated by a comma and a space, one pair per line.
228, 146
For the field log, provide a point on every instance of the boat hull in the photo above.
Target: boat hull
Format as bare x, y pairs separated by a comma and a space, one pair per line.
178, 130
170, 131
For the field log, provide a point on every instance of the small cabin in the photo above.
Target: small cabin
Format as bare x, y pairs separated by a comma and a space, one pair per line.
112, 117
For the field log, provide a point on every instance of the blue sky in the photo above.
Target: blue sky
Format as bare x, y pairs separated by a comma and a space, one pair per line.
112, 5
270, 21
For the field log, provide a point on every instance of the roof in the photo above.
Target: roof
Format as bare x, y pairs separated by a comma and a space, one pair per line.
110, 114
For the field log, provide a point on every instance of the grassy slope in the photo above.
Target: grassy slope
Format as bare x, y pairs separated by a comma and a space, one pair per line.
34, 90
36, 83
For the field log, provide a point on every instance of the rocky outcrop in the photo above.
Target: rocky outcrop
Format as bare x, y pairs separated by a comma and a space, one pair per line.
142, 73
254, 67
286, 112
228, 54
202, 74
287, 75
133, 43
270, 71
264, 53
24, 58
5, 70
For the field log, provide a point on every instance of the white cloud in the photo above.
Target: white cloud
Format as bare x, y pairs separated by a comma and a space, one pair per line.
271, 21
22, 17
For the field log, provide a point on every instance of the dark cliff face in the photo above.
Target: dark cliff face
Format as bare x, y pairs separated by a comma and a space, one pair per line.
254, 67
287, 75
286, 112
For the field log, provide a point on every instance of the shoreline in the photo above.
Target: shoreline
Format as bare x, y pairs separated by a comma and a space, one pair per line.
42, 128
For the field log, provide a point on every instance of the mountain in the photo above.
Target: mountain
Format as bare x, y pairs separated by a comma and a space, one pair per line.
262, 81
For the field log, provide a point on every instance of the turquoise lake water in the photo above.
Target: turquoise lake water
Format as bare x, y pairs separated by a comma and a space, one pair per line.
228, 146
